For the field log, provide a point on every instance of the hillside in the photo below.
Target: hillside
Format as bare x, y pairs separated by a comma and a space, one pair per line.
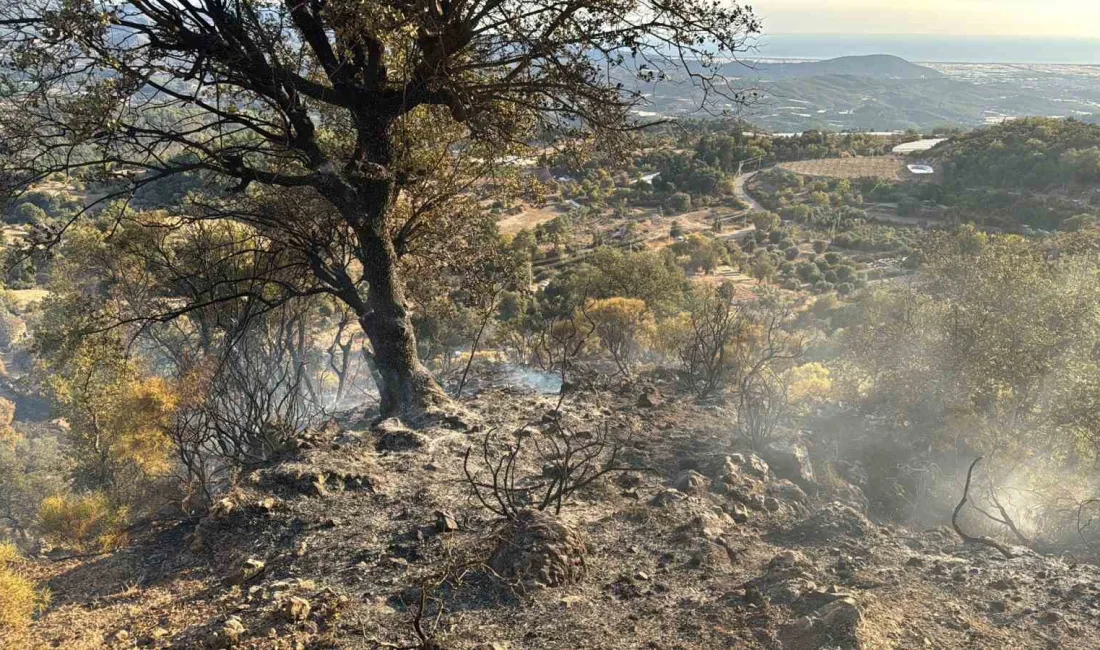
1032, 153
887, 93
371, 537
876, 66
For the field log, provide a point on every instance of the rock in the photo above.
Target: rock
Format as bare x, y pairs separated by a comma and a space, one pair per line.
538, 550
707, 525
753, 500
227, 635
997, 606
833, 521
317, 486
295, 609
349, 439
750, 464
122, 636
222, 508
738, 512
445, 522
710, 554
667, 497
692, 483
249, 569
771, 504
791, 461
787, 491
788, 591
789, 559
835, 625
394, 436
650, 398
851, 495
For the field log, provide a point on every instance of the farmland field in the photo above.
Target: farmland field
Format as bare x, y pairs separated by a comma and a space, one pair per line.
887, 167
527, 219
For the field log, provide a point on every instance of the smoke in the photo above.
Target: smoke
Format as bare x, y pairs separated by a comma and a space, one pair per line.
544, 382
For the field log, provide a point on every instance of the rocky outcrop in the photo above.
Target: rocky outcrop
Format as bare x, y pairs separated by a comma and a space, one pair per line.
791, 460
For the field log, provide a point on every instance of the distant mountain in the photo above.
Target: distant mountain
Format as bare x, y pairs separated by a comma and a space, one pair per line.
875, 66
881, 93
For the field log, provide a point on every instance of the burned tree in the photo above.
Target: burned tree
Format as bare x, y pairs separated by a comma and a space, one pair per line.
383, 112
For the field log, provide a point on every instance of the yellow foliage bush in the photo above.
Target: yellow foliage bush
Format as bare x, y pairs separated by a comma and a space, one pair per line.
18, 597
82, 522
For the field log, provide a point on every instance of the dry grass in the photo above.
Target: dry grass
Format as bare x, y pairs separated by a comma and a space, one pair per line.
888, 167
23, 298
18, 597
527, 219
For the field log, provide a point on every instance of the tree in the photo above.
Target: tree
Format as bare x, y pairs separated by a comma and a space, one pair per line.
702, 252
622, 325
381, 114
764, 221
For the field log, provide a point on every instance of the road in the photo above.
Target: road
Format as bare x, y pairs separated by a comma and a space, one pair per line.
739, 190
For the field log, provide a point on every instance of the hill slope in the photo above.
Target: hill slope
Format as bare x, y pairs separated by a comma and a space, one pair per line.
334, 547
875, 66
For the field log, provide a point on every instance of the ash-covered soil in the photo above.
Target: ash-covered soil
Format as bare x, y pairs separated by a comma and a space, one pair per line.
371, 537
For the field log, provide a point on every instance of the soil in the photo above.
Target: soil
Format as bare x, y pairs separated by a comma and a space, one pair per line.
341, 545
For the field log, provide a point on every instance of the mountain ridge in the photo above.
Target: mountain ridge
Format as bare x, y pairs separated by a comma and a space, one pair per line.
875, 66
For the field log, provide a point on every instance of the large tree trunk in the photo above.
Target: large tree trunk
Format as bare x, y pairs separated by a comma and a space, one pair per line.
406, 385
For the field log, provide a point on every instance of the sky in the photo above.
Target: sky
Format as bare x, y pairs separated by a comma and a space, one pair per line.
1046, 18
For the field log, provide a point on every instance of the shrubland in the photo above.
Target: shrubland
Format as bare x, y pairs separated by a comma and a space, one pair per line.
210, 318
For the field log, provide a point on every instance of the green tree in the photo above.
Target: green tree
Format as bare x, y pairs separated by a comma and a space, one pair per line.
764, 221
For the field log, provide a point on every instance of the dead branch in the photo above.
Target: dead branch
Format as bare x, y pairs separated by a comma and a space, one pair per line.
565, 461
1006, 519
970, 539
1081, 527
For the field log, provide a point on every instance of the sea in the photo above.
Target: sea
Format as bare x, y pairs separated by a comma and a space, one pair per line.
932, 48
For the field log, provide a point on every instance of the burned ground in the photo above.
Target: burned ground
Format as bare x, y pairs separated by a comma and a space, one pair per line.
353, 544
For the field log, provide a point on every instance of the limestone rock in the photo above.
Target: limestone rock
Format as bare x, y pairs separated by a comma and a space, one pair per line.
749, 463
248, 570
833, 521
665, 498
226, 635
692, 483
791, 461
295, 609
835, 625
445, 522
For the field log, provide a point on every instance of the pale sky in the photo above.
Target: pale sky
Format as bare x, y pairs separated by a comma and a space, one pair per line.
1072, 18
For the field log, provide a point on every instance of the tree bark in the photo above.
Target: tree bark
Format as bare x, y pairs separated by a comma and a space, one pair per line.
406, 384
